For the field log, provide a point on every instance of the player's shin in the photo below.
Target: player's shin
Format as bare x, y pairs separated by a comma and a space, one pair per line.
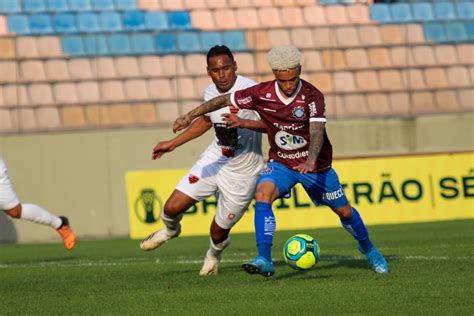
265, 225
356, 227
39, 215
172, 223
215, 250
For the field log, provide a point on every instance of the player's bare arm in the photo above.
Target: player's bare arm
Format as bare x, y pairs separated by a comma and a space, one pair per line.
209, 106
316, 131
233, 120
196, 129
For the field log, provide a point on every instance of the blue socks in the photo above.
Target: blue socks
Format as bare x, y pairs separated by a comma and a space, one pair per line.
265, 226
355, 226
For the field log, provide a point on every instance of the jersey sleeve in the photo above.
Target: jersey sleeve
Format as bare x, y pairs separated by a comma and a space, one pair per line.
246, 98
317, 109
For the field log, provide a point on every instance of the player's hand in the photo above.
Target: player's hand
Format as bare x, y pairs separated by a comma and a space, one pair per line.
232, 120
161, 148
305, 167
182, 122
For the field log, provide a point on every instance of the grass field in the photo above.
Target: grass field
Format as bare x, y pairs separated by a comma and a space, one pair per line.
431, 273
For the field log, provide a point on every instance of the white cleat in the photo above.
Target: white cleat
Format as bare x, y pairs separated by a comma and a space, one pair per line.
210, 266
158, 238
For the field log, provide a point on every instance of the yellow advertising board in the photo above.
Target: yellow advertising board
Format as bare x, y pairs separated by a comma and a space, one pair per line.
385, 190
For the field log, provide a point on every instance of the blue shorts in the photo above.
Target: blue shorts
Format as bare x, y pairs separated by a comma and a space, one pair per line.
322, 188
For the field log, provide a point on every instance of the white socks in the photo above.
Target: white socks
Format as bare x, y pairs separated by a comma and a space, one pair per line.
215, 250
171, 223
39, 215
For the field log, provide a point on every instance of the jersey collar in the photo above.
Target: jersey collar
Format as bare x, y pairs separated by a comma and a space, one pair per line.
290, 99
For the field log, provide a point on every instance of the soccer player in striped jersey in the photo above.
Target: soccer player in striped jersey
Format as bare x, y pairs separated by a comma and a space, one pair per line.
293, 112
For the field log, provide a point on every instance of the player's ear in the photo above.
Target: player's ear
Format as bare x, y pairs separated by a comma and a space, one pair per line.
208, 71
235, 65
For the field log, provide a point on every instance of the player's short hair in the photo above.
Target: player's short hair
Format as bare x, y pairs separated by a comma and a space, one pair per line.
284, 57
219, 50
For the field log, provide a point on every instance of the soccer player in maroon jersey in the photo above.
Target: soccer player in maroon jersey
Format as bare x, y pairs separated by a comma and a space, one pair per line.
293, 112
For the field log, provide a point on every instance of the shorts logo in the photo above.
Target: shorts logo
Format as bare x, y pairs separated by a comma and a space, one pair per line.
267, 170
288, 141
298, 113
231, 216
193, 179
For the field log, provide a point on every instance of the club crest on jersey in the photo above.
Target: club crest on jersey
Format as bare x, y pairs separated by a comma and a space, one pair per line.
193, 179
268, 95
267, 170
298, 113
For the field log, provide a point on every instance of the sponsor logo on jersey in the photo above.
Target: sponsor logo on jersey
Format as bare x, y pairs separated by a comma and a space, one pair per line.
267, 170
269, 110
289, 141
245, 100
303, 97
297, 155
312, 109
193, 179
231, 216
292, 127
298, 113
148, 206
268, 95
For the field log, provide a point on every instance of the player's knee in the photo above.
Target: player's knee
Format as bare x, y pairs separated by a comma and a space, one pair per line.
14, 212
344, 212
263, 196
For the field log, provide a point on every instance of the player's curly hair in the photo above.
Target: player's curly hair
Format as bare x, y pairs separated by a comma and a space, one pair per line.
284, 57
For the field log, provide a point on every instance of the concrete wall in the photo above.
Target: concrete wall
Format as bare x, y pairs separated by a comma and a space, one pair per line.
82, 174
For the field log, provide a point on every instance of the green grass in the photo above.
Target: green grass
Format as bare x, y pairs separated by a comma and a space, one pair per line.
431, 273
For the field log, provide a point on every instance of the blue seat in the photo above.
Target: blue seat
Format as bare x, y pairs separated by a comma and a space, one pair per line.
380, 12
34, 6
235, 40
423, 11
18, 23
80, 5
435, 32
444, 10
456, 32
179, 20
95, 45
133, 20
40, 24
103, 5
88, 22
64, 23
10, 6
401, 13
142, 44
165, 43
156, 20
57, 5
72, 45
119, 44
125, 5
470, 30
210, 39
465, 10
188, 42
110, 21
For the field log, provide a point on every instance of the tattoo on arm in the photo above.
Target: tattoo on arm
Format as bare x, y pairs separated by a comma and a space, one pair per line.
316, 130
211, 105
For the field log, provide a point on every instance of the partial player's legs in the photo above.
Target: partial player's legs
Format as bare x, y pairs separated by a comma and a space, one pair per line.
219, 240
36, 214
353, 223
171, 215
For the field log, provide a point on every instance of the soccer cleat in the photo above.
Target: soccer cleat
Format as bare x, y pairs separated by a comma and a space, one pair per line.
376, 260
66, 233
158, 238
259, 265
210, 266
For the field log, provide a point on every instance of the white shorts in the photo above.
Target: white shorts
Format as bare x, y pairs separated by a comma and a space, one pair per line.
8, 198
235, 190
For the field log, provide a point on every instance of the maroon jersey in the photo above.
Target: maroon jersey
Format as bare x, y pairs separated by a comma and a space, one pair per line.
287, 121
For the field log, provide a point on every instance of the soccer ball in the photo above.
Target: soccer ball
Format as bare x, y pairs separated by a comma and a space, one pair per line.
301, 252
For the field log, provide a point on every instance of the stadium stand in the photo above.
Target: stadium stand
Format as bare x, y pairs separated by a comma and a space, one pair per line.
82, 64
